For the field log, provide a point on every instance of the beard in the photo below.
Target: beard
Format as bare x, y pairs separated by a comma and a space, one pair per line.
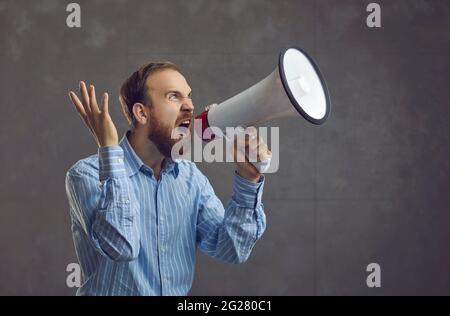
161, 135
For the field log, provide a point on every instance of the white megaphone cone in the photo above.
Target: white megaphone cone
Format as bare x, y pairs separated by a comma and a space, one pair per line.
295, 87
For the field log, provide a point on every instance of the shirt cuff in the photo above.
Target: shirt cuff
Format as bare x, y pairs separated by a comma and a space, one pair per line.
111, 162
246, 193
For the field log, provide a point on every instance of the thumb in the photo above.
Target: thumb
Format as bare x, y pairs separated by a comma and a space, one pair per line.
209, 107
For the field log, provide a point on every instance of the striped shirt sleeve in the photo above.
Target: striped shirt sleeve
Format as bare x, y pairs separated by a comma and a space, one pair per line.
230, 234
101, 204
111, 162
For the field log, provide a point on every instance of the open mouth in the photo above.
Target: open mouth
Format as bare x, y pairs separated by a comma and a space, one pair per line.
185, 123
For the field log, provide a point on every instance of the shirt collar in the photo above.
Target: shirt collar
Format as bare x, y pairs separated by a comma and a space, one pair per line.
134, 164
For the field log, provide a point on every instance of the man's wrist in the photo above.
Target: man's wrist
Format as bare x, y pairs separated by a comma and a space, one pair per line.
250, 177
107, 143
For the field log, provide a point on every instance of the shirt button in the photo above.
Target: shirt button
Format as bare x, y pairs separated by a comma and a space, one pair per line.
119, 160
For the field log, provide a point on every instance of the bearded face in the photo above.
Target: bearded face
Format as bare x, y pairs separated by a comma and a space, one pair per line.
170, 107
165, 134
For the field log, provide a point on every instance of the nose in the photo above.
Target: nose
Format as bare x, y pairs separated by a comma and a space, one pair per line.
187, 105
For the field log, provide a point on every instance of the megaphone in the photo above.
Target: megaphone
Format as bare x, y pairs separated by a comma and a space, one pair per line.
296, 87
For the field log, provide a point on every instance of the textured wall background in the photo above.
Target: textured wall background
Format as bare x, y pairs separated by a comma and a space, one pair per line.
371, 185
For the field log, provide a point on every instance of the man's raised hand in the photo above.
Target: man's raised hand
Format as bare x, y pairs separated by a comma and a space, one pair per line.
96, 119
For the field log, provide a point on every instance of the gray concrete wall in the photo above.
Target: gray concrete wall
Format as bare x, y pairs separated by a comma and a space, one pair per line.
371, 185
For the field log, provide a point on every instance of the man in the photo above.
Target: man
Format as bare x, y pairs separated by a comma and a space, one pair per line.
137, 214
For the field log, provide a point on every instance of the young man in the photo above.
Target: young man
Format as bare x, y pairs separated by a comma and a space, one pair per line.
137, 214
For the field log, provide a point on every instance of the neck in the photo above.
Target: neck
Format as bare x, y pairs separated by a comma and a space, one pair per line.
146, 150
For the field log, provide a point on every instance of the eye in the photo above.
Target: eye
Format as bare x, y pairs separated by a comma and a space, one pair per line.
173, 97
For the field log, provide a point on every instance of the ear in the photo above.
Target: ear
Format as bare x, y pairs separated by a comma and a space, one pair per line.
140, 112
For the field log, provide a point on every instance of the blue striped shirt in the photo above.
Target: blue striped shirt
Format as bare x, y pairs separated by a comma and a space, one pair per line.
137, 235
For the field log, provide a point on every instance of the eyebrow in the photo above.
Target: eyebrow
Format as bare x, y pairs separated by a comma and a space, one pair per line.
177, 92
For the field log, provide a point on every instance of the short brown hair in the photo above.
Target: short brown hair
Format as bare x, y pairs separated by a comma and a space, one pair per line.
134, 90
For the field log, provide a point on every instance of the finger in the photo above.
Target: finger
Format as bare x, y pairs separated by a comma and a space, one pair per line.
252, 132
265, 157
78, 105
246, 142
105, 107
257, 151
264, 153
255, 142
260, 140
242, 147
93, 100
85, 97
248, 135
239, 153
249, 148
256, 137
252, 151
80, 109
262, 149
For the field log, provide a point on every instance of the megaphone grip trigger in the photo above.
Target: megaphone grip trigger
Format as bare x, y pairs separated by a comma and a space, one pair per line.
262, 166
